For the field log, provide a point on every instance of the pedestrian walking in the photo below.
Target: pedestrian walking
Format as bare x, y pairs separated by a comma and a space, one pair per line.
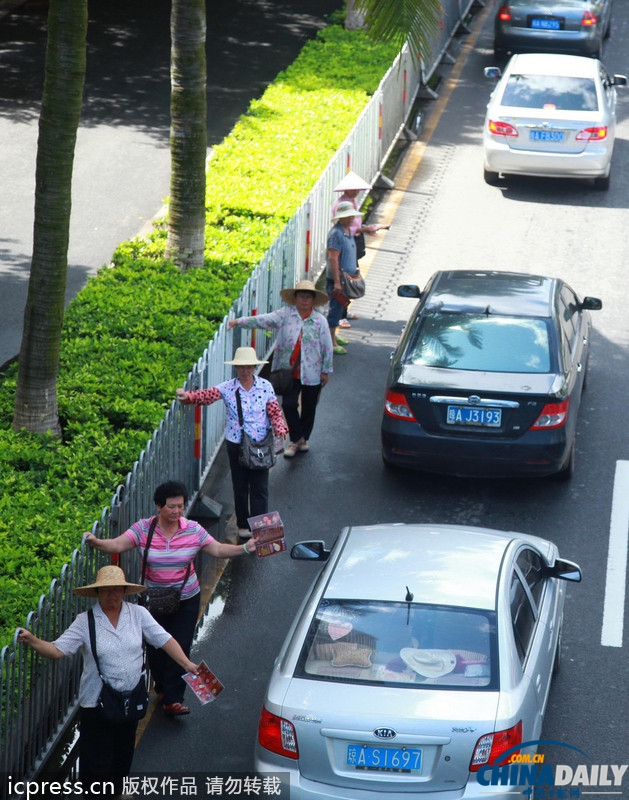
170, 543
304, 351
260, 412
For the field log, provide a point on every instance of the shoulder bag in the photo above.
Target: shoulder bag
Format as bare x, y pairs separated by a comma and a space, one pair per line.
352, 286
281, 380
254, 455
119, 706
160, 600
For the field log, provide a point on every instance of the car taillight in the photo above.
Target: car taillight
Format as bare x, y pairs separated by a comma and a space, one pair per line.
499, 128
504, 15
396, 405
490, 747
553, 415
596, 134
589, 19
277, 735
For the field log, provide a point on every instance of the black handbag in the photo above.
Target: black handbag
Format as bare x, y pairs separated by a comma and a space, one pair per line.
361, 249
119, 706
352, 286
254, 455
282, 380
159, 600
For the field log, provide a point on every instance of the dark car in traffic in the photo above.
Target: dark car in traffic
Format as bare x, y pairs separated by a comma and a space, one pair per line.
486, 379
578, 27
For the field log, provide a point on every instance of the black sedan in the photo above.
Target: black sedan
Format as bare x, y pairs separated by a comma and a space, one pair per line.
487, 377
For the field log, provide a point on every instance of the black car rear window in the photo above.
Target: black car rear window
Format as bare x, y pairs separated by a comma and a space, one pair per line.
550, 91
481, 342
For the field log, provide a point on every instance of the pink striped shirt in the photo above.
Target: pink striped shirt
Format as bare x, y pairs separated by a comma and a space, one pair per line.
168, 559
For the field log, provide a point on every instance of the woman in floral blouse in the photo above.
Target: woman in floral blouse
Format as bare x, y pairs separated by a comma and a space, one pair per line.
304, 344
260, 410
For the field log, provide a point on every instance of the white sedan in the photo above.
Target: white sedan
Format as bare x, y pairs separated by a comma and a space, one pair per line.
420, 661
551, 116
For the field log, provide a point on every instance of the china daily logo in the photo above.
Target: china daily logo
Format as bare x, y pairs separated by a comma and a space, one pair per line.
552, 781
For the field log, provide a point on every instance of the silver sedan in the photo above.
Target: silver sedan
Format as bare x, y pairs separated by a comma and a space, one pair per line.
551, 115
421, 659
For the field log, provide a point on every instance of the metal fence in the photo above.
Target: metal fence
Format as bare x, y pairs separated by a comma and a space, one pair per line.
38, 697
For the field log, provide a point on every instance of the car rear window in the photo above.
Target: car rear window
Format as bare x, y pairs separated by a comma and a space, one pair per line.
550, 92
481, 342
406, 644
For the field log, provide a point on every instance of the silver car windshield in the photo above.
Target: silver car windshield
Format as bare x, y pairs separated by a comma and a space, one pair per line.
550, 92
406, 644
481, 342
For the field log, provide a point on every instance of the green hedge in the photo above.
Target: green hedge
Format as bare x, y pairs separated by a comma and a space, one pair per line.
132, 334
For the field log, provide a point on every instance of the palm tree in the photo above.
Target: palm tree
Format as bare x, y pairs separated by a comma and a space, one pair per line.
188, 134
36, 397
398, 21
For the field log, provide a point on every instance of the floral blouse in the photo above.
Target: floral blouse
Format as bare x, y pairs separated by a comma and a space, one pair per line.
259, 408
316, 341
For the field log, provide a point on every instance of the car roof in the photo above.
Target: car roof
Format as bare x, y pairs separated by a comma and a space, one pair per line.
553, 64
440, 564
486, 291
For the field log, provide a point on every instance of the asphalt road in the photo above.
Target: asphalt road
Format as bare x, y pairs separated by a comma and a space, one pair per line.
448, 217
122, 161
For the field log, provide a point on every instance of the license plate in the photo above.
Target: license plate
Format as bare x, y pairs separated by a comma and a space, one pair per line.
390, 759
545, 24
471, 415
546, 136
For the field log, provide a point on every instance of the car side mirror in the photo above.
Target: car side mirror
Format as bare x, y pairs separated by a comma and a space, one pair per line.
565, 571
493, 72
592, 304
409, 290
309, 551
619, 80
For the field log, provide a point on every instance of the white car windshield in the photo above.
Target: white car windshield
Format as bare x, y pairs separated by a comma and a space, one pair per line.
420, 646
550, 92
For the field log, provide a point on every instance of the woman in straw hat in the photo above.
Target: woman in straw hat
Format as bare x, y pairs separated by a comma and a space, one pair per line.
260, 411
304, 345
105, 747
174, 544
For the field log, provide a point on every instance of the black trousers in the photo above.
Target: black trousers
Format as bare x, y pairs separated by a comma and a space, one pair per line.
166, 672
300, 425
251, 488
105, 752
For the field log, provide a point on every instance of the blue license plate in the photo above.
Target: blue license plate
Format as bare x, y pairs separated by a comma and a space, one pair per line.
546, 136
390, 759
472, 415
545, 24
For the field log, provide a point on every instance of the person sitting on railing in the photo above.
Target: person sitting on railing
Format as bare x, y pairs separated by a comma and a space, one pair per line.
106, 747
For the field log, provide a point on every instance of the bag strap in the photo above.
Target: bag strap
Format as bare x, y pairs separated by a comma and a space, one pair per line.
148, 544
146, 552
241, 421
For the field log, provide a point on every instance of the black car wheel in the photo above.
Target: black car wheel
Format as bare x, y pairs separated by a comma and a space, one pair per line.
567, 471
492, 178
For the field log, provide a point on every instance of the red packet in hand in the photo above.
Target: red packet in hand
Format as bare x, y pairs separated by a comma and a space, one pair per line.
343, 299
205, 685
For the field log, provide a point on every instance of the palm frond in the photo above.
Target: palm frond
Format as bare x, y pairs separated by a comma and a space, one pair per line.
399, 21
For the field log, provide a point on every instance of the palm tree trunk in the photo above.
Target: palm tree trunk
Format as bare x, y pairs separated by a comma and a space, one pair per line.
36, 398
188, 134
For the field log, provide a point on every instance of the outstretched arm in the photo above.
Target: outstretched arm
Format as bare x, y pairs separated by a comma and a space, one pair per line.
44, 648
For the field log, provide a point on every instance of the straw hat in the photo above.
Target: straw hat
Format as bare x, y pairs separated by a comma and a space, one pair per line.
245, 357
352, 182
429, 663
107, 577
345, 209
288, 295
